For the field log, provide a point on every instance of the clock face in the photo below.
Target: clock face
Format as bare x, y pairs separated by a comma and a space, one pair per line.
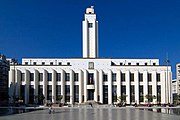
91, 65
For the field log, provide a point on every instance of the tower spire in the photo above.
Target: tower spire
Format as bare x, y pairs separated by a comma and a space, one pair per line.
90, 34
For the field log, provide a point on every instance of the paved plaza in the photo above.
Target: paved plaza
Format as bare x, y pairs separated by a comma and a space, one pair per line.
92, 114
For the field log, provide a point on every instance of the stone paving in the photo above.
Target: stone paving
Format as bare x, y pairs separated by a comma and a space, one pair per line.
92, 114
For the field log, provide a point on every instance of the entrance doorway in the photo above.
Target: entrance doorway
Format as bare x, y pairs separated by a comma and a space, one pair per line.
90, 94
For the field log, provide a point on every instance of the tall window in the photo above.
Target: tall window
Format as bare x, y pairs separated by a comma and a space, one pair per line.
105, 78
22, 91
31, 94
76, 93
67, 93
22, 77
140, 77
31, 76
149, 77
114, 93
40, 89
132, 93
58, 91
90, 78
123, 77
150, 93
76, 76
90, 25
158, 77
105, 94
141, 93
123, 92
132, 77
114, 77
40, 77
67, 76
40, 93
49, 77
159, 93
49, 92
58, 76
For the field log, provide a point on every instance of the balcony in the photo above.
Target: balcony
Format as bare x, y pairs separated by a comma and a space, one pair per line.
90, 87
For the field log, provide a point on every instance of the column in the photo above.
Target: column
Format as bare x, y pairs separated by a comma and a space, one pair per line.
71, 87
11, 83
136, 80
170, 88
27, 77
36, 83
154, 86
145, 87
54, 86
128, 87
85, 85
80, 86
63, 85
163, 87
101, 86
118, 83
45, 84
109, 87
17, 83
96, 85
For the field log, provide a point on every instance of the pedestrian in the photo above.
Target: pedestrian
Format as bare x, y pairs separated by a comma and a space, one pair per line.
91, 104
49, 110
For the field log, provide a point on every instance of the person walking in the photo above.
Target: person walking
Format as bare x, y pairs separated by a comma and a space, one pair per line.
49, 110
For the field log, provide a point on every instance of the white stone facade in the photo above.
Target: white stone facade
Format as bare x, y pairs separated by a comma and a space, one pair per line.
178, 78
90, 34
90, 78
98, 69
174, 86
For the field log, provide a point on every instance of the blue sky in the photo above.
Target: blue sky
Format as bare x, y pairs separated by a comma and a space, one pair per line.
127, 28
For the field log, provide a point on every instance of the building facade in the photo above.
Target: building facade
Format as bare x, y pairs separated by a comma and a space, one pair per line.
4, 70
178, 78
91, 78
174, 86
174, 90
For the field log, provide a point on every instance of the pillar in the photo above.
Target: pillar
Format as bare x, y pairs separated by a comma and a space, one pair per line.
109, 87
136, 80
45, 84
118, 83
36, 81
154, 85
63, 85
145, 87
54, 86
71, 87
85, 85
101, 86
128, 87
80, 86
27, 78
